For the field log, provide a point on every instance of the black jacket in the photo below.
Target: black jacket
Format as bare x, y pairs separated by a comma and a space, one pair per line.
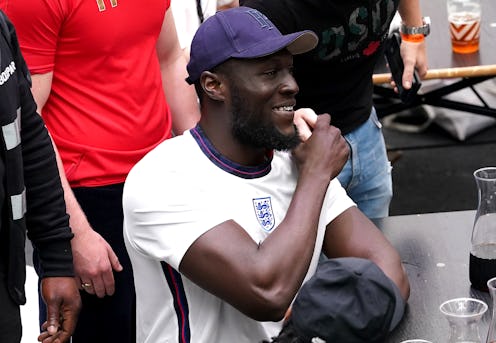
34, 195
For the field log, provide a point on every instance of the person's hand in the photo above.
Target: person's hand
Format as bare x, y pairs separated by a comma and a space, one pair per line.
304, 120
61, 296
413, 55
94, 262
324, 153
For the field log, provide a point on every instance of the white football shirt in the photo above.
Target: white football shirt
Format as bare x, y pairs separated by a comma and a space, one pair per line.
177, 192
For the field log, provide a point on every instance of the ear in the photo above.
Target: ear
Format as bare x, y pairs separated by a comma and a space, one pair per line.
213, 85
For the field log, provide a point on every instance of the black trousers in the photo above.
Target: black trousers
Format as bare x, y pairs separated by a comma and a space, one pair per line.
10, 313
112, 318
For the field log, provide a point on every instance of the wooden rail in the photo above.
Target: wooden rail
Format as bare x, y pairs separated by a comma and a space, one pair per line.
445, 73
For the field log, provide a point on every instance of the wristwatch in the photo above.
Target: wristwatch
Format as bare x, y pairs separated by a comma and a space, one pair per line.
414, 30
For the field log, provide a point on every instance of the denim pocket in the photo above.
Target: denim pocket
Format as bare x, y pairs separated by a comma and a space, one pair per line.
376, 120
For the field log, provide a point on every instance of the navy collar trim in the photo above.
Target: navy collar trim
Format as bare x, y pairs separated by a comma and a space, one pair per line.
251, 172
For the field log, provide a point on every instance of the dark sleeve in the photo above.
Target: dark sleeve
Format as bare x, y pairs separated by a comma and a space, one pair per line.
46, 218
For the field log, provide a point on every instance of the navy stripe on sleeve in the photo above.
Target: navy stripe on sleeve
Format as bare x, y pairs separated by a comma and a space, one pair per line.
180, 302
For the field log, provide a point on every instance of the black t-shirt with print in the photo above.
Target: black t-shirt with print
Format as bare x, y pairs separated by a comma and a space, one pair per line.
335, 77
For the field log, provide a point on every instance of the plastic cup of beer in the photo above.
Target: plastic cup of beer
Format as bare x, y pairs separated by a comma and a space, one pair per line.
464, 18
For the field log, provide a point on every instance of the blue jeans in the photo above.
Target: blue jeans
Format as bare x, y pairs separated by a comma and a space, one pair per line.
366, 175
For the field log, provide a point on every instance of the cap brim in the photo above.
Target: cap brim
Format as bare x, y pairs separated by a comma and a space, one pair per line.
296, 43
304, 41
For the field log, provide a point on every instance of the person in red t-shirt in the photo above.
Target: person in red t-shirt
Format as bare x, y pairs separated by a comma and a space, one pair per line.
100, 70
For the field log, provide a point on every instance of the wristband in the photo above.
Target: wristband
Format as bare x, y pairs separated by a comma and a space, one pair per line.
425, 29
412, 38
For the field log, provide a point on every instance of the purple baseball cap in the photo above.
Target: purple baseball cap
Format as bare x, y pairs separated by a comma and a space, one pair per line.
241, 32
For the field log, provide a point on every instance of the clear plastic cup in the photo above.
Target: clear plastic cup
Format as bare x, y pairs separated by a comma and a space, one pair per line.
464, 18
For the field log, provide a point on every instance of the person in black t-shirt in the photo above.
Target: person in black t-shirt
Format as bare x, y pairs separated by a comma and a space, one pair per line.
336, 78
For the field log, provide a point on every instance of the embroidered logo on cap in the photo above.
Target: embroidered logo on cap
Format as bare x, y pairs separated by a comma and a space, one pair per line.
261, 19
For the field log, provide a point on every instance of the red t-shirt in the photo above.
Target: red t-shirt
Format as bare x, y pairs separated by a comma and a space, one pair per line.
106, 108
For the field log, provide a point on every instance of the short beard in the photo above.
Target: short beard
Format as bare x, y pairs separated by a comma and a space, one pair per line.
249, 131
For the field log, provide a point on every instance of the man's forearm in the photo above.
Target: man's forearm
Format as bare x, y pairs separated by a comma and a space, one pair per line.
410, 12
